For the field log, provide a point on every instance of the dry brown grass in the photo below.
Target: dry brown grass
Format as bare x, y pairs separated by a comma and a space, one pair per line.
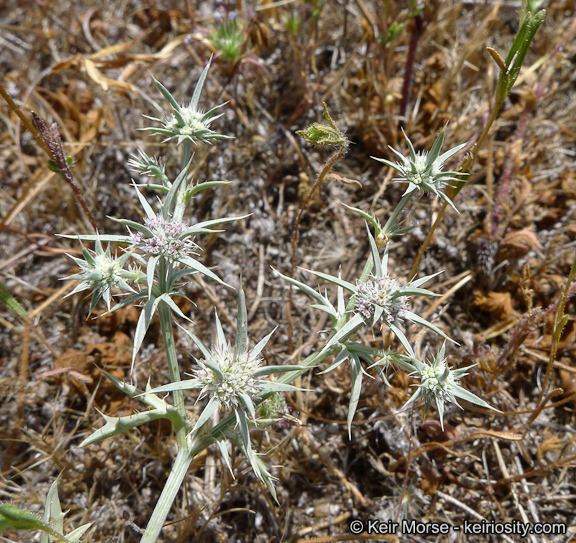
506, 256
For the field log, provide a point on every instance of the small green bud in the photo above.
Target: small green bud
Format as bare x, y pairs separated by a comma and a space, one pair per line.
323, 135
273, 407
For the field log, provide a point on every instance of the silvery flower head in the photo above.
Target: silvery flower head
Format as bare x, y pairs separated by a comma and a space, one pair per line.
232, 377
228, 377
381, 297
384, 293
187, 122
439, 384
101, 272
423, 170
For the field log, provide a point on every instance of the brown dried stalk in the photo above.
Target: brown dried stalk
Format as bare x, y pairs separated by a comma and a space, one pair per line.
52, 141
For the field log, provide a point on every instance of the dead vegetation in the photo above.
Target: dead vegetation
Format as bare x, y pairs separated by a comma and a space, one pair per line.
507, 259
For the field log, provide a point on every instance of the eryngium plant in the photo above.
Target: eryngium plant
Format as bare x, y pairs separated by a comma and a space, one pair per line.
439, 384
160, 254
163, 250
187, 123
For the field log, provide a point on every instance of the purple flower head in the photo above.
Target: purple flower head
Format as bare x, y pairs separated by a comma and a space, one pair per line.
165, 239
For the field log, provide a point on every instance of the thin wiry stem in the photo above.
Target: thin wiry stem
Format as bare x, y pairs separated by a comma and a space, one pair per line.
330, 163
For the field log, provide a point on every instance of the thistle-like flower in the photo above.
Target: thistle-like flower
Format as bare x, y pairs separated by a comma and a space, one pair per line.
232, 377
423, 170
384, 293
187, 122
164, 238
228, 377
101, 272
439, 384
382, 297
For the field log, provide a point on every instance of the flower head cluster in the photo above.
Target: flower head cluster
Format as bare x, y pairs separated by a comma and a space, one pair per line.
101, 272
384, 293
164, 238
423, 170
439, 384
187, 122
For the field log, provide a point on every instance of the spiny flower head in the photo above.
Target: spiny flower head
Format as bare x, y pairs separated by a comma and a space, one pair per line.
101, 272
234, 379
164, 238
424, 170
383, 297
384, 293
439, 384
147, 165
187, 122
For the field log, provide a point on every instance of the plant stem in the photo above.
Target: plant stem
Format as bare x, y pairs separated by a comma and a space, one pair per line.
560, 320
170, 347
414, 38
171, 488
186, 154
31, 128
330, 163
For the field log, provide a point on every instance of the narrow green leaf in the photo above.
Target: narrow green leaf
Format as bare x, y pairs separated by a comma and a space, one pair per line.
355, 391
53, 512
435, 151
195, 265
175, 105
7, 299
334, 280
200, 86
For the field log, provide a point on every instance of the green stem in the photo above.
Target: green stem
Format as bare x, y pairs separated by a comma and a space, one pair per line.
170, 347
171, 488
327, 167
187, 153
